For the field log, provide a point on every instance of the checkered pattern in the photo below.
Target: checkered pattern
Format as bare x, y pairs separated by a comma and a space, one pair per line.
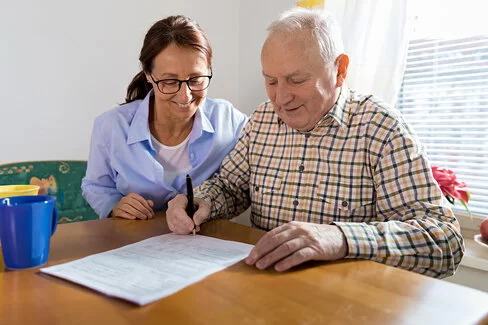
361, 168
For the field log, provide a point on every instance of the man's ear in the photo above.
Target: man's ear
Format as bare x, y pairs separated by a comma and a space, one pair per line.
342, 63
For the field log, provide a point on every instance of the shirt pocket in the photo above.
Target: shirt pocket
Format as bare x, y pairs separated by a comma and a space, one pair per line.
348, 202
266, 196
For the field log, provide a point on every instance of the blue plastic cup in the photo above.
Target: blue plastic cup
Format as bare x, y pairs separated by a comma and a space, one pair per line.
26, 226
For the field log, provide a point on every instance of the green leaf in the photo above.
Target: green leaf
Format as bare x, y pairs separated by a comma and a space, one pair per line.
466, 207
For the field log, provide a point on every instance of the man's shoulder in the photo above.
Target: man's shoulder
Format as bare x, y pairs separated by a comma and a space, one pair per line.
265, 113
375, 107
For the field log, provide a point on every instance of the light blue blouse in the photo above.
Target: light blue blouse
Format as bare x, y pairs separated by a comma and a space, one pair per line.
122, 159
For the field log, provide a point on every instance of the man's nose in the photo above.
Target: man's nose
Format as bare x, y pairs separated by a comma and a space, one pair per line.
283, 94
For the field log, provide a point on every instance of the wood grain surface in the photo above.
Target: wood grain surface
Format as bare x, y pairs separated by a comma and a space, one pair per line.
343, 292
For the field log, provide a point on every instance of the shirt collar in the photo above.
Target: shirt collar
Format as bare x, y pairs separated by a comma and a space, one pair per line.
139, 128
338, 114
200, 124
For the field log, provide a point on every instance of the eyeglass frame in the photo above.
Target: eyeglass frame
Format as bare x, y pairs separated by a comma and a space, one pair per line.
180, 82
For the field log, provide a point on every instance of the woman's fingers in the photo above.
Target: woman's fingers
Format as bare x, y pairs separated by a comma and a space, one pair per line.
133, 206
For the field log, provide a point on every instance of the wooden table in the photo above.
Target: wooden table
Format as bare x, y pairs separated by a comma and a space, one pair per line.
344, 292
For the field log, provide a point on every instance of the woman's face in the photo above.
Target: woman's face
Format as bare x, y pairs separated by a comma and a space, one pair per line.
180, 63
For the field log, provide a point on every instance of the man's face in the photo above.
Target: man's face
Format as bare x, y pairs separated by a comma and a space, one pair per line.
300, 85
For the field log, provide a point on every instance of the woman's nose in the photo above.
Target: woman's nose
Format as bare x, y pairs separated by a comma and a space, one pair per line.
184, 94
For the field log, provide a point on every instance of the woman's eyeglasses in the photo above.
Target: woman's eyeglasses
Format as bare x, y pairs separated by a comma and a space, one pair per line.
172, 86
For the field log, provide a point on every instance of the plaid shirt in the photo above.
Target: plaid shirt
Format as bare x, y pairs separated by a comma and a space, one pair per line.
361, 168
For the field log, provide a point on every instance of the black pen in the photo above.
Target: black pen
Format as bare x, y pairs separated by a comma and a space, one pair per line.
190, 208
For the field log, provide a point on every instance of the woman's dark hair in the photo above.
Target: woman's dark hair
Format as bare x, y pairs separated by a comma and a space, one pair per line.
179, 30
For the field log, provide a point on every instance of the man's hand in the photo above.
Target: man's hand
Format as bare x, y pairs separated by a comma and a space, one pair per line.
178, 221
296, 242
133, 206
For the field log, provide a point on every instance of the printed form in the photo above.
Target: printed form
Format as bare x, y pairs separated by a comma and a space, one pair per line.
154, 268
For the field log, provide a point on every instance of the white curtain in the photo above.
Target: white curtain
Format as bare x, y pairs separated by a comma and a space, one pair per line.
376, 35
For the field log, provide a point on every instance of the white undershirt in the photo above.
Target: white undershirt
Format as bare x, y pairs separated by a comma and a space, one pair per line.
174, 159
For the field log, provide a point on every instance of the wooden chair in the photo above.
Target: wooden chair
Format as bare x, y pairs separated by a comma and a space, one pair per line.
61, 179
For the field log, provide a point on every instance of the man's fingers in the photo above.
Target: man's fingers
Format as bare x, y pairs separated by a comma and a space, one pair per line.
181, 224
202, 213
269, 242
298, 257
284, 250
178, 220
176, 217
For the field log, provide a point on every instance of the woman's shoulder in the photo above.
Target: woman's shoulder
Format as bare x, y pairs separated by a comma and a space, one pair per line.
217, 103
121, 114
219, 107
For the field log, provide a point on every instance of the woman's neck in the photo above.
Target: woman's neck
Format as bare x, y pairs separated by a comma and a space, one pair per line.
168, 131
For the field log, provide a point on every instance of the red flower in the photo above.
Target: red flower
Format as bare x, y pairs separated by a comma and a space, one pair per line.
450, 186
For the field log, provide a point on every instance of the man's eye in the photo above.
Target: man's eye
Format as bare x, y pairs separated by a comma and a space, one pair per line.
297, 82
271, 82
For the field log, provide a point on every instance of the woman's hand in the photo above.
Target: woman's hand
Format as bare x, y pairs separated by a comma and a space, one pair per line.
133, 206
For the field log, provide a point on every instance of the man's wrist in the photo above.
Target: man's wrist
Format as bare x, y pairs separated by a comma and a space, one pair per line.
345, 246
207, 199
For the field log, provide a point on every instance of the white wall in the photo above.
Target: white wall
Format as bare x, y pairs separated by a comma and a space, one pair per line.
62, 63
254, 17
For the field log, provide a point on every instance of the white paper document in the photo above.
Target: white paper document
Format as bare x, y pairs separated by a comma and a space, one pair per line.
153, 268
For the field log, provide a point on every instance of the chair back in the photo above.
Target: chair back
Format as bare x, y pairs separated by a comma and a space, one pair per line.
61, 179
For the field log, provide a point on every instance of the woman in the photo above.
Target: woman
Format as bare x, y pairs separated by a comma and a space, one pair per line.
141, 151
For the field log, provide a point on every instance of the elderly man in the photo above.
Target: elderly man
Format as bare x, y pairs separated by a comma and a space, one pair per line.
329, 173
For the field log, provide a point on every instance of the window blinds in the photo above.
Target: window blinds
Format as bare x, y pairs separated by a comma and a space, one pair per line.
444, 96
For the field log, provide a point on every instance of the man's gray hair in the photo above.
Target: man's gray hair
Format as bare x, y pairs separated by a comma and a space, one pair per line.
324, 27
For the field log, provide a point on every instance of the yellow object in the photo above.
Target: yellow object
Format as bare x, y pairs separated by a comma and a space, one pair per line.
17, 190
310, 3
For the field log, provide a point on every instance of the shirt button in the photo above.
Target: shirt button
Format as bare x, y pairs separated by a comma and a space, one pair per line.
301, 168
192, 156
256, 188
295, 202
345, 204
307, 135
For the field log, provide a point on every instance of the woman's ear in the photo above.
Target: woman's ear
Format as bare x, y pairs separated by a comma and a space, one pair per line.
147, 76
342, 63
